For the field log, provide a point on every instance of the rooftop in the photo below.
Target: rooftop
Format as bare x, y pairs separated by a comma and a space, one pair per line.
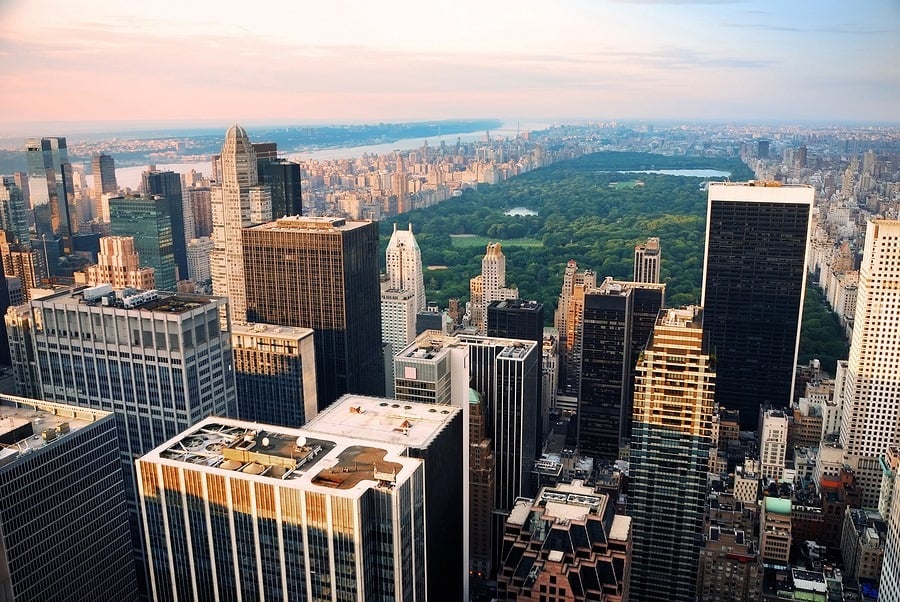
129, 298
269, 331
378, 419
298, 458
312, 223
27, 425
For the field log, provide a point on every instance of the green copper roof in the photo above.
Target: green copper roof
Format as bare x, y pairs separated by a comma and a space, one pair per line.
474, 396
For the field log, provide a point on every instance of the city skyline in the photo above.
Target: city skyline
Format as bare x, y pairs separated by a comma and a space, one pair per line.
349, 61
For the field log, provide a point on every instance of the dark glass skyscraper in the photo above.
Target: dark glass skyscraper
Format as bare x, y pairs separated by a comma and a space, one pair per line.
283, 178
147, 220
516, 319
63, 510
321, 273
618, 318
753, 287
52, 195
167, 184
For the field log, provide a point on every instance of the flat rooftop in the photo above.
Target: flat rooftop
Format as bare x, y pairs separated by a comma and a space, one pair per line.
293, 223
296, 458
29, 424
155, 301
270, 331
404, 423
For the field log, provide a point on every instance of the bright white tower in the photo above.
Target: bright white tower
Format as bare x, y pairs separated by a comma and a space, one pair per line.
870, 420
404, 265
238, 201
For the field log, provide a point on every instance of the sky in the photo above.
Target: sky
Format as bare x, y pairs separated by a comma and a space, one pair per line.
340, 61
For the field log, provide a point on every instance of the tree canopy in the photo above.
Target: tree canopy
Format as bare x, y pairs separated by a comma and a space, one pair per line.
586, 211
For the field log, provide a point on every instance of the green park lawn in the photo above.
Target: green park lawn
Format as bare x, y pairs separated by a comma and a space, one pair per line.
466, 241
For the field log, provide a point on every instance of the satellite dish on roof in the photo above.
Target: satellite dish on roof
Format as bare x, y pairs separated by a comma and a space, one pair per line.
301, 441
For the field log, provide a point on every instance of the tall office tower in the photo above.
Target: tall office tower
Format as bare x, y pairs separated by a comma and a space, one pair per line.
198, 252
313, 516
753, 286
52, 196
435, 369
119, 265
489, 286
283, 179
569, 320
103, 167
540, 561
506, 372
870, 420
647, 259
4, 305
167, 184
762, 149
673, 407
64, 518
147, 221
13, 213
159, 361
434, 434
21, 350
321, 273
21, 180
403, 261
481, 487
617, 319
398, 326
889, 588
238, 201
516, 319
773, 444
275, 369
199, 200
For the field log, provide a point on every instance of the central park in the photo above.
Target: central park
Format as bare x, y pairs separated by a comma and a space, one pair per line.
592, 210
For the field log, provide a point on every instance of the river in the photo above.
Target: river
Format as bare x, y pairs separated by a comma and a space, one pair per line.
130, 177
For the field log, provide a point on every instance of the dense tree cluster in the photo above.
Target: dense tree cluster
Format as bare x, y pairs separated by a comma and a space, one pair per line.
821, 337
584, 213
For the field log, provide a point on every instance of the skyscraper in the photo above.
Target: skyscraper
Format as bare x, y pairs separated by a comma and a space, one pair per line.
159, 361
167, 184
52, 196
890, 568
147, 221
516, 319
283, 179
198, 252
489, 286
569, 319
321, 273
64, 518
13, 213
118, 264
647, 259
753, 286
238, 201
275, 369
103, 167
673, 406
435, 435
404, 265
870, 420
507, 373
617, 319
342, 504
